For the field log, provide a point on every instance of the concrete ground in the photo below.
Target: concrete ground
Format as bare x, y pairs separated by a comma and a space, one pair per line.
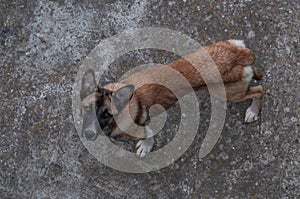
42, 44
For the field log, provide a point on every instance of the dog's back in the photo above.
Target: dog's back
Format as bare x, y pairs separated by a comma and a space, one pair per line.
230, 58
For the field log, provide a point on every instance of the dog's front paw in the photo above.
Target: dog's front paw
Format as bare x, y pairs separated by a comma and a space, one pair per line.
144, 146
251, 115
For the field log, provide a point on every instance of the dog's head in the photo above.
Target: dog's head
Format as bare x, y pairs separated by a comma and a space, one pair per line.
100, 105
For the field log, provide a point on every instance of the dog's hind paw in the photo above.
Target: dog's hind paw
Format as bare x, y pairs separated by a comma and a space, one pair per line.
144, 146
251, 115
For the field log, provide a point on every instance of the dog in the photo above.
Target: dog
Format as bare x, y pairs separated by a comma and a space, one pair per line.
121, 110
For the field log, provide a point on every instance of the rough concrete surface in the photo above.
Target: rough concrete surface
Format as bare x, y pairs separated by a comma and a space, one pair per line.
42, 44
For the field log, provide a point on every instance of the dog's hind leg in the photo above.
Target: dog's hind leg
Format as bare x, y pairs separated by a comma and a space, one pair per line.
239, 91
255, 93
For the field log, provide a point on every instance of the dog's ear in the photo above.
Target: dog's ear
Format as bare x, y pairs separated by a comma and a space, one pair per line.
89, 84
122, 96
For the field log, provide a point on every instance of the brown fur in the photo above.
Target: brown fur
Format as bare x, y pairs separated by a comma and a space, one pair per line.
164, 85
230, 60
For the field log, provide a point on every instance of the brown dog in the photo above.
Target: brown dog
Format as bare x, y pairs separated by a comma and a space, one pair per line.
123, 111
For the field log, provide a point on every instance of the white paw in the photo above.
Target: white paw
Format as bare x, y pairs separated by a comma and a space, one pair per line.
144, 146
251, 115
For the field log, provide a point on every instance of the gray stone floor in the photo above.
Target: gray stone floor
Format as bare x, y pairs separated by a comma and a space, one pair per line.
42, 44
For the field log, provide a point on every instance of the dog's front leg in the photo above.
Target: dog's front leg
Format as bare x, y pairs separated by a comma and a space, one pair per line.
144, 146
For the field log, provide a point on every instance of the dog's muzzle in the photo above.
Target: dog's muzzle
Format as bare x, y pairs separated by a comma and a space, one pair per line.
90, 129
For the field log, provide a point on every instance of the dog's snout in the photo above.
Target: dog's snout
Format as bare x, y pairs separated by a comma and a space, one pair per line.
90, 134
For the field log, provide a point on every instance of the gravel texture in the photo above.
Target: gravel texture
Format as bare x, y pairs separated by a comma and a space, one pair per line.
42, 44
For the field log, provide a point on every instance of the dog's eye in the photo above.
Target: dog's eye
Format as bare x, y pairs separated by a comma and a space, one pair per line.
108, 93
106, 113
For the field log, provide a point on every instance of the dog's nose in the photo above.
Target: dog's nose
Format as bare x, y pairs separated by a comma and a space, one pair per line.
90, 135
